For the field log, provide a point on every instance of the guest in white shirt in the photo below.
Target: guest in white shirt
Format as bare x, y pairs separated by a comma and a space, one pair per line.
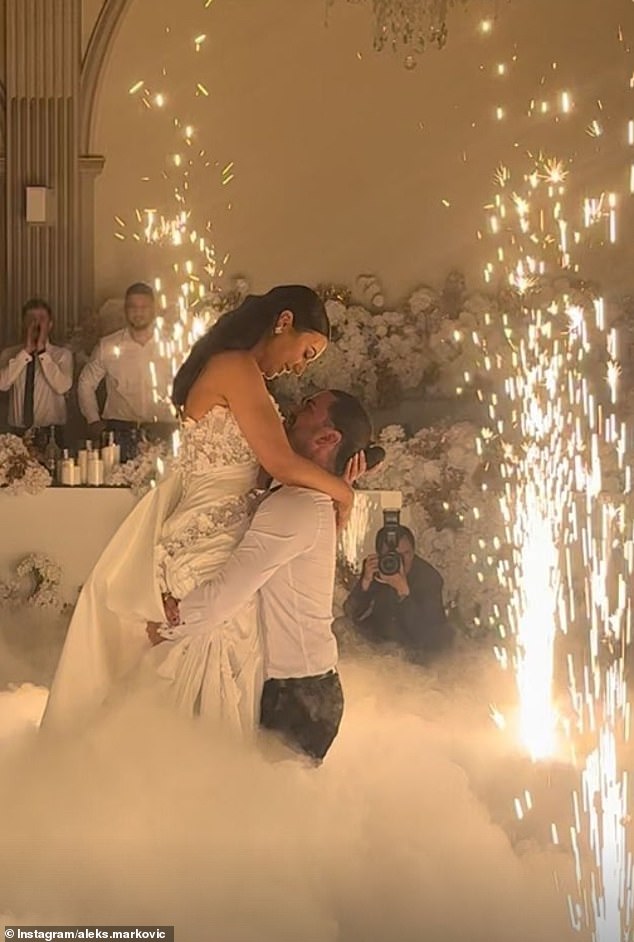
288, 556
37, 373
137, 376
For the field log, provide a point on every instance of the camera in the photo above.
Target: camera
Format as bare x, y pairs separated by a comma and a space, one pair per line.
374, 455
389, 557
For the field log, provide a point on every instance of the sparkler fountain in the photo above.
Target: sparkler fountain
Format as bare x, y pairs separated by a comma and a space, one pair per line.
563, 532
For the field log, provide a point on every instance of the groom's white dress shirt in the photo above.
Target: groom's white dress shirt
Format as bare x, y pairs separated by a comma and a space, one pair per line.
287, 556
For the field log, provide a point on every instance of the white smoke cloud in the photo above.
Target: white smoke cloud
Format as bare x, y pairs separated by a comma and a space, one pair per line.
406, 832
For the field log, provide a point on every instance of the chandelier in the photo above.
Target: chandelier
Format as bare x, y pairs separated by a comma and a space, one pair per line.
410, 25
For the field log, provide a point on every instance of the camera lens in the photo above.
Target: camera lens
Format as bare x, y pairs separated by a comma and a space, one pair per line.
389, 564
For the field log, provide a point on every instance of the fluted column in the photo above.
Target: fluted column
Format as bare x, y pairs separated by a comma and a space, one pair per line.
89, 169
42, 75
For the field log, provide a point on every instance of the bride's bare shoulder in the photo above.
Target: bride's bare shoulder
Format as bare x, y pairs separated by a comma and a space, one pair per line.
219, 378
231, 360
230, 366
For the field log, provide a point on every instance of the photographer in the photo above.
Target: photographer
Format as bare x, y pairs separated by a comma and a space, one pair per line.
405, 608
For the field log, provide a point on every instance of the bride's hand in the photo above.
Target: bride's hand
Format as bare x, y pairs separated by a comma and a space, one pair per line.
172, 611
355, 468
153, 631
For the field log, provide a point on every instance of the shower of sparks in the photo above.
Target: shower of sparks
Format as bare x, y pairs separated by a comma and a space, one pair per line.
186, 291
612, 216
569, 567
553, 171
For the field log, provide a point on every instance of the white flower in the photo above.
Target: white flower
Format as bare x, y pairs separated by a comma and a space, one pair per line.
336, 310
391, 433
20, 473
431, 472
37, 581
141, 472
422, 300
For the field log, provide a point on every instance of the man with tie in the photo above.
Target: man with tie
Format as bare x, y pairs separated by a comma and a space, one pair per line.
37, 373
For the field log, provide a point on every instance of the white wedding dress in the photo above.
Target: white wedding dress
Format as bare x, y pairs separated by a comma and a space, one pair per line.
177, 537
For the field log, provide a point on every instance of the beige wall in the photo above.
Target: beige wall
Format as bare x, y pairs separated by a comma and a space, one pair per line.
342, 156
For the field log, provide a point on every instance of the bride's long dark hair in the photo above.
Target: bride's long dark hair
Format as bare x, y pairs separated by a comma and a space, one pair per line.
243, 327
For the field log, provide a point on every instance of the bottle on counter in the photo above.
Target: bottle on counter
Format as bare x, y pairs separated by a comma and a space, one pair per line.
63, 468
52, 454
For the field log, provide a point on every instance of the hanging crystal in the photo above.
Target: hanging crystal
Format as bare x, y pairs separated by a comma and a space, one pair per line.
409, 26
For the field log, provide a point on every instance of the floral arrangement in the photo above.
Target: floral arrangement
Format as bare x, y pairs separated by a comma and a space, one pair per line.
449, 488
458, 349
20, 471
36, 582
437, 344
142, 472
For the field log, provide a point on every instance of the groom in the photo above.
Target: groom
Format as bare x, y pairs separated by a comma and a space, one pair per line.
288, 556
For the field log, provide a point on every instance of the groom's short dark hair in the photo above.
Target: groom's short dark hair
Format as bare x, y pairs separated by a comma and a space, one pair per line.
350, 419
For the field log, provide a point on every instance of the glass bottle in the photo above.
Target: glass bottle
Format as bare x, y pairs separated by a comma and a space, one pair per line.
51, 453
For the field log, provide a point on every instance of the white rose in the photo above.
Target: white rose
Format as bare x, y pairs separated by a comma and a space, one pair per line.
431, 472
422, 300
335, 309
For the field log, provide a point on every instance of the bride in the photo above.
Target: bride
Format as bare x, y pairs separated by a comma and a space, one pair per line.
185, 529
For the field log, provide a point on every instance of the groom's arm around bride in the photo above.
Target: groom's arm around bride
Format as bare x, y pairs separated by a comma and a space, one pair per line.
288, 557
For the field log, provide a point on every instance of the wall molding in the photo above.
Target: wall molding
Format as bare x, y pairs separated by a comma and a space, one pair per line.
93, 65
3, 118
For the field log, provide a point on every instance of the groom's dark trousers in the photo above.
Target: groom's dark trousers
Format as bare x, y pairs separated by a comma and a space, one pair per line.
304, 711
